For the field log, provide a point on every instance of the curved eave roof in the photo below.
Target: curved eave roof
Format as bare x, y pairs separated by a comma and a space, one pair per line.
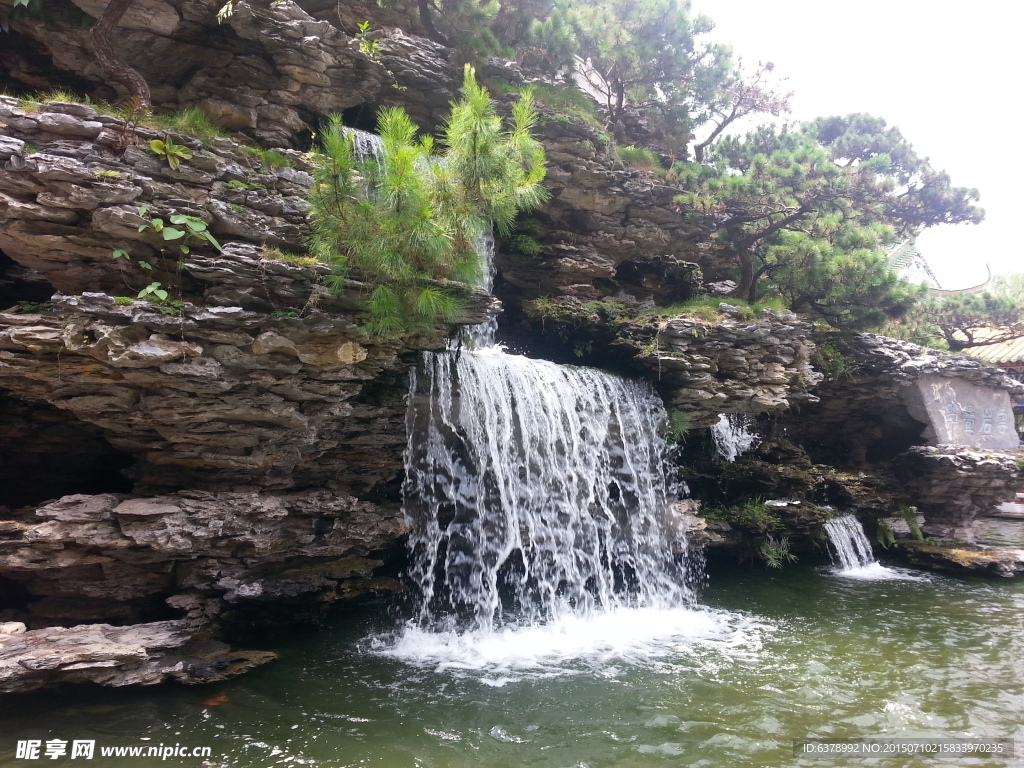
1005, 352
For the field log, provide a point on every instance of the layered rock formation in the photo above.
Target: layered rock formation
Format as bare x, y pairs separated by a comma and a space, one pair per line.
143, 654
258, 380
858, 444
863, 415
606, 232
741, 362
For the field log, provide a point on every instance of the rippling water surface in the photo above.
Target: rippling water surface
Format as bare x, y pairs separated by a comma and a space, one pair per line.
797, 654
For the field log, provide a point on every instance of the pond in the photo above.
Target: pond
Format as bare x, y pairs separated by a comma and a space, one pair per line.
769, 657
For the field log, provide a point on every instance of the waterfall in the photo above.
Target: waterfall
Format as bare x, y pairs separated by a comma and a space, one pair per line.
733, 436
534, 491
365, 144
851, 546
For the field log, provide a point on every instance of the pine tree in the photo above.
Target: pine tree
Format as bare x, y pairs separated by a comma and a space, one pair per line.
806, 213
645, 53
412, 222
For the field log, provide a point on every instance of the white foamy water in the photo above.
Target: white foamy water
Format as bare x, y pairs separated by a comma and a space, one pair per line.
878, 572
365, 144
572, 644
733, 435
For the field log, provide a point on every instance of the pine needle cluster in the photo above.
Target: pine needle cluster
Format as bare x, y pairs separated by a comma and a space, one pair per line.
411, 222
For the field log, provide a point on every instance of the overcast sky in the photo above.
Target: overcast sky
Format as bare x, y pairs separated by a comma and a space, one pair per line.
949, 76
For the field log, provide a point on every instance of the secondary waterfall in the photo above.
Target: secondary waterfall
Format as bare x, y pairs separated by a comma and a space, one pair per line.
852, 548
733, 436
365, 144
854, 556
534, 491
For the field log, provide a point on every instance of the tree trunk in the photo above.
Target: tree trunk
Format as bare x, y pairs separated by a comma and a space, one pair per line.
427, 20
115, 69
746, 286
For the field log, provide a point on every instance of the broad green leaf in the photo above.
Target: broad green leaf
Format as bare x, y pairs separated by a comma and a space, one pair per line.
212, 240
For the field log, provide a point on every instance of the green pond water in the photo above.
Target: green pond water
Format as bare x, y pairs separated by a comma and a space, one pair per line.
774, 656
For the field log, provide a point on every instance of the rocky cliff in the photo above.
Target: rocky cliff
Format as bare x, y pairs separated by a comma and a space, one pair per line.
230, 460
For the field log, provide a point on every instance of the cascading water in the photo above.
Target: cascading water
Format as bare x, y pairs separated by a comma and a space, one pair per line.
365, 144
537, 483
733, 436
854, 555
538, 510
851, 546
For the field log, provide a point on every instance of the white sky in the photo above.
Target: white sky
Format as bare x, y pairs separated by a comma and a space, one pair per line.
948, 75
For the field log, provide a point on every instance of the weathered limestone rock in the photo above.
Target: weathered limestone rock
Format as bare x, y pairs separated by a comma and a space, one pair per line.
143, 654
244, 398
863, 417
966, 559
112, 557
605, 231
951, 488
268, 70
958, 412
701, 368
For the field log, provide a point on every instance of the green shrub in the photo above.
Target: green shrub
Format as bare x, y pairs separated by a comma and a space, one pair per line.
775, 552
638, 157
192, 122
524, 244
678, 425
830, 360
267, 157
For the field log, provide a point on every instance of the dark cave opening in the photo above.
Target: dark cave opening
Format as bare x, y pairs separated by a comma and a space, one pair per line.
19, 283
46, 453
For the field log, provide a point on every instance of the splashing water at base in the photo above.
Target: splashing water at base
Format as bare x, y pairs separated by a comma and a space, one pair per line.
879, 572
733, 435
575, 644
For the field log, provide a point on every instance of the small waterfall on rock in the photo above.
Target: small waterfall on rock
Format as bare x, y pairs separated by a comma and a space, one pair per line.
853, 555
365, 144
733, 436
541, 523
852, 548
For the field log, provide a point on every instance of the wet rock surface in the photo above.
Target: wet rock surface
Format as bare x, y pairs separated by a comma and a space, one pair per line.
143, 654
737, 364
966, 559
952, 488
114, 557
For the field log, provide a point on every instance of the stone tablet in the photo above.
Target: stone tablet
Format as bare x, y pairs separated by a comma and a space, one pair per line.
958, 412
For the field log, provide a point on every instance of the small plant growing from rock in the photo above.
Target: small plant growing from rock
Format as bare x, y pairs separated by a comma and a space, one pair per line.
369, 47
174, 154
268, 157
154, 292
678, 425
189, 228
121, 253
